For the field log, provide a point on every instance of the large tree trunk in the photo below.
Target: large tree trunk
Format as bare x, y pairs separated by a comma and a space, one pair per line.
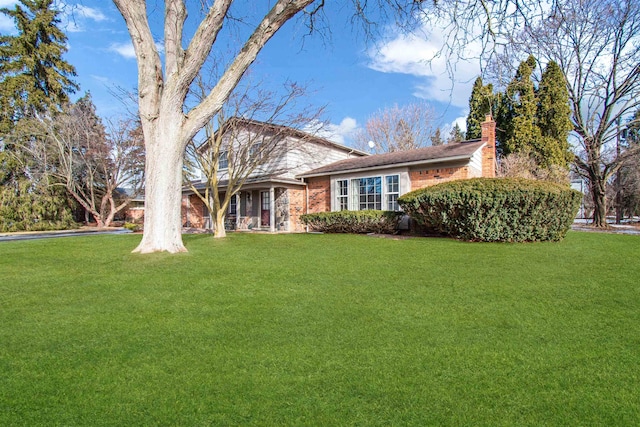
220, 231
163, 191
598, 194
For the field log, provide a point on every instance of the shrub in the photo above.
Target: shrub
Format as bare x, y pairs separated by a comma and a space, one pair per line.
495, 209
131, 226
383, 222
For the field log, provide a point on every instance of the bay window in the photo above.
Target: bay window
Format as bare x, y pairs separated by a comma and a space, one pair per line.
374, 192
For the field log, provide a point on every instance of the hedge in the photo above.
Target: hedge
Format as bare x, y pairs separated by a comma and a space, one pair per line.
495, 209
370, 221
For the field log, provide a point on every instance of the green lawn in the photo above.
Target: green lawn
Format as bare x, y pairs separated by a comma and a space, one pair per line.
320, 330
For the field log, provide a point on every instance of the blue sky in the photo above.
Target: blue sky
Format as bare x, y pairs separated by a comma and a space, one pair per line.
352, 77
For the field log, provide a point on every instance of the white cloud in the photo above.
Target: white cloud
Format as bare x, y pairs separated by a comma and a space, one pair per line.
123, 49
76, 17
419, 54
90, 13
127, 51
7, 25
340, 133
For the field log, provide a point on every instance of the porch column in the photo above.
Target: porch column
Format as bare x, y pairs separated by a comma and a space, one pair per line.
272, 209
238, 210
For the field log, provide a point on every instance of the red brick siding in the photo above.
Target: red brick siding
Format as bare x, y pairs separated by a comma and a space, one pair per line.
319, 194
297, 207
192, 211
425, 177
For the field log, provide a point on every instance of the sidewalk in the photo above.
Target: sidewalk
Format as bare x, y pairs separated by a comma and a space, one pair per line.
582, 225
30, 235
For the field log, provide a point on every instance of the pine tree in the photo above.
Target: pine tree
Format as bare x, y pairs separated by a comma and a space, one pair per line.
553, 118
523, 133
34, 78
436, 138
456, 134
480, 104
33, 75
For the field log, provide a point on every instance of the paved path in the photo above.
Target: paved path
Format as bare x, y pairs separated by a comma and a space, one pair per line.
30, 235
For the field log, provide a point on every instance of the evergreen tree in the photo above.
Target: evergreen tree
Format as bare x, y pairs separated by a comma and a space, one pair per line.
34, 78
553, 119
480, 104
523, 133
33, 75
436, 138
456, 135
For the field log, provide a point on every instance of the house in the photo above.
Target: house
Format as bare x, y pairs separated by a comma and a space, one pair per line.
312, 174
376, 182
272, 198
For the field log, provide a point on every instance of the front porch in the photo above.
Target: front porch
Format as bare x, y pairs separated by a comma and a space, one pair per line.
264, 206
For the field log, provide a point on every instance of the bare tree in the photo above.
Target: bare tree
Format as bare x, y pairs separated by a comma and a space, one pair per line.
397, 128
94, 166
596, 43
245, 139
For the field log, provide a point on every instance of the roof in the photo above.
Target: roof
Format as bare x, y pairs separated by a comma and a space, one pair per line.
441, 153
262, 127
261, 179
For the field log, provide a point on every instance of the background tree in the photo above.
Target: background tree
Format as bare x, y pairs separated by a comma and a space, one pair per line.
553, 118
481, 103
34, 78
436, 138
249, 133
628, 176
92, 165
597, 46
456, 134
397, 128
518, 122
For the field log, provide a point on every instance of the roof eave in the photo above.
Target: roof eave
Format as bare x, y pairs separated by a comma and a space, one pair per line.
390, 166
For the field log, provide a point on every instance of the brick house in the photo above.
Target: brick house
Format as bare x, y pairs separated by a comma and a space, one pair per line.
376, 181
272, 197
325, 176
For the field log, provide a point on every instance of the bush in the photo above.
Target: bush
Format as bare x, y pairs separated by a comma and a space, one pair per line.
495, 209
131, 226
383, 222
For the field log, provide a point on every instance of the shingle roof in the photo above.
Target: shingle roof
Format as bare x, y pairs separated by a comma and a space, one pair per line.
455, 151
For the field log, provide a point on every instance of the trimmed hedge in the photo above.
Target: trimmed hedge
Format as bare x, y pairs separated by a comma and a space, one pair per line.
495, 209
371, 221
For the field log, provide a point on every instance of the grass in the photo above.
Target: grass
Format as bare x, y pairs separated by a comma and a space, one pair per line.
320, 330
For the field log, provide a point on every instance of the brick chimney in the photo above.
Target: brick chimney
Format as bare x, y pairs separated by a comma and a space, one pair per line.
489, 150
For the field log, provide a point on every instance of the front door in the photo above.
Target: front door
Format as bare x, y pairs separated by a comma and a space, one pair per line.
265, 206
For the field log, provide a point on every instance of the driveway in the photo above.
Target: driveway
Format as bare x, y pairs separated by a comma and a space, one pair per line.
30, 235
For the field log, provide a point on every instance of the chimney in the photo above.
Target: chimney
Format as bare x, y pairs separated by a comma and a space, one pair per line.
489, 150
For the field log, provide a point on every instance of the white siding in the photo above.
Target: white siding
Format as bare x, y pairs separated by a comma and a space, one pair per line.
475, 164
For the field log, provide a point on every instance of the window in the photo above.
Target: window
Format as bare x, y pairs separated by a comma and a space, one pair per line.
343, 195
233, 205
223, 160
369, 193
254, 151
393, 189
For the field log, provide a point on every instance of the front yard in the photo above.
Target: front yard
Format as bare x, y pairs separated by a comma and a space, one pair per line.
320, 330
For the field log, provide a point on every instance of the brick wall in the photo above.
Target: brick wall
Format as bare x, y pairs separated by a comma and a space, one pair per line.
297, 207
192, 211
425, 177
319, 194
